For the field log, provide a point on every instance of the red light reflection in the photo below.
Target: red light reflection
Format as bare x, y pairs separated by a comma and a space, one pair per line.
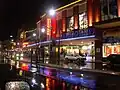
76, 88
53, 84
63, 86
24, 67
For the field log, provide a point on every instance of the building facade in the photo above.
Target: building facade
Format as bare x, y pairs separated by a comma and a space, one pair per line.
90, 27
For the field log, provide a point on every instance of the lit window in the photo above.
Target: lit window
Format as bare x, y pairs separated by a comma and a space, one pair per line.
83, 22
109, 9
70, 24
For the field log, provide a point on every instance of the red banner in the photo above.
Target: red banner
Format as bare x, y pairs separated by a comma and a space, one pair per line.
54, 27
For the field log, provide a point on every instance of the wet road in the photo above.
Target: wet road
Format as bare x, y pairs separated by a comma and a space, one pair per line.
58, 78
77, 78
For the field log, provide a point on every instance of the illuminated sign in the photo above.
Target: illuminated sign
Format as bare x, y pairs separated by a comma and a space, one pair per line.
83, 22
111, 39
25, 43
78, 33
70, 24
54, 27
48, 27
23, 35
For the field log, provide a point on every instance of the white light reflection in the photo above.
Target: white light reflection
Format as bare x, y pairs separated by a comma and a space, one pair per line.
42, 85
71, 73
82, 75
34, 81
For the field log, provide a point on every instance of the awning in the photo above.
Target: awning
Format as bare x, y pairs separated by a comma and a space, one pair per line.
78, 38
61, 40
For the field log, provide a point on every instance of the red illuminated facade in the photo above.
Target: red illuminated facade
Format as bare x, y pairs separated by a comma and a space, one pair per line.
92, 8
82, 18
54, 27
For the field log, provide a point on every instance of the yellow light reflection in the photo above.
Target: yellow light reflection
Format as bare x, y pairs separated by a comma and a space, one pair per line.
47, 84
23, 64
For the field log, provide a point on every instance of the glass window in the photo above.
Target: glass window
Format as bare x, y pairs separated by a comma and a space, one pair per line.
70, 24
108, 9
83, 22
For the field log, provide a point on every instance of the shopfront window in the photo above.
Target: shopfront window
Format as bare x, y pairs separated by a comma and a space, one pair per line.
70, 24
83, 50
111, 49
46, 54
109, 9
83, 22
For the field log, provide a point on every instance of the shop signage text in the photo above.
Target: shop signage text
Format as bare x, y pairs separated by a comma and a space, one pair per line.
78, 33
111, 39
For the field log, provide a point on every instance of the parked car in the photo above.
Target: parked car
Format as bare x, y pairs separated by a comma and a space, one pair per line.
75, 58
112, 61
114, 58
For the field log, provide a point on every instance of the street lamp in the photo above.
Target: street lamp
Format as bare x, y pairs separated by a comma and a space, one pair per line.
43, 30
34, 34
52, 12
12, 40
11, 36
41, 34
37, 51
18, 43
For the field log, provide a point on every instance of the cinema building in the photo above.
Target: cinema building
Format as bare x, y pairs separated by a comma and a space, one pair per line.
90, 27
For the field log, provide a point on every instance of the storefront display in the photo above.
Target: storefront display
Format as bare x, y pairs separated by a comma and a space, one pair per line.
78, 49
83, 22
111, 40
111, 49
70, 24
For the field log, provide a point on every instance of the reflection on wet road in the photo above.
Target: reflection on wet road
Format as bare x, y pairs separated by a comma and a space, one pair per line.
78, 78
64, 79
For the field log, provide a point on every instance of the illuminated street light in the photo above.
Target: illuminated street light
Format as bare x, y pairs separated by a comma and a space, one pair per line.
12, 40
18, 43
43, 30
21, 58
51, 12
11, 36
22, 55
17, 55
34, 34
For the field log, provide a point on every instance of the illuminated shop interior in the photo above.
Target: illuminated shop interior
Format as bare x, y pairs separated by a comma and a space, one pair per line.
111, 49
78, 46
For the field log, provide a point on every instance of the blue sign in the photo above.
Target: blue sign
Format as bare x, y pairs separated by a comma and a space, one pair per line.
111, 39
78, 33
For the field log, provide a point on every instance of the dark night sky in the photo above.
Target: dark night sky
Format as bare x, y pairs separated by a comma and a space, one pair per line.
15, 13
